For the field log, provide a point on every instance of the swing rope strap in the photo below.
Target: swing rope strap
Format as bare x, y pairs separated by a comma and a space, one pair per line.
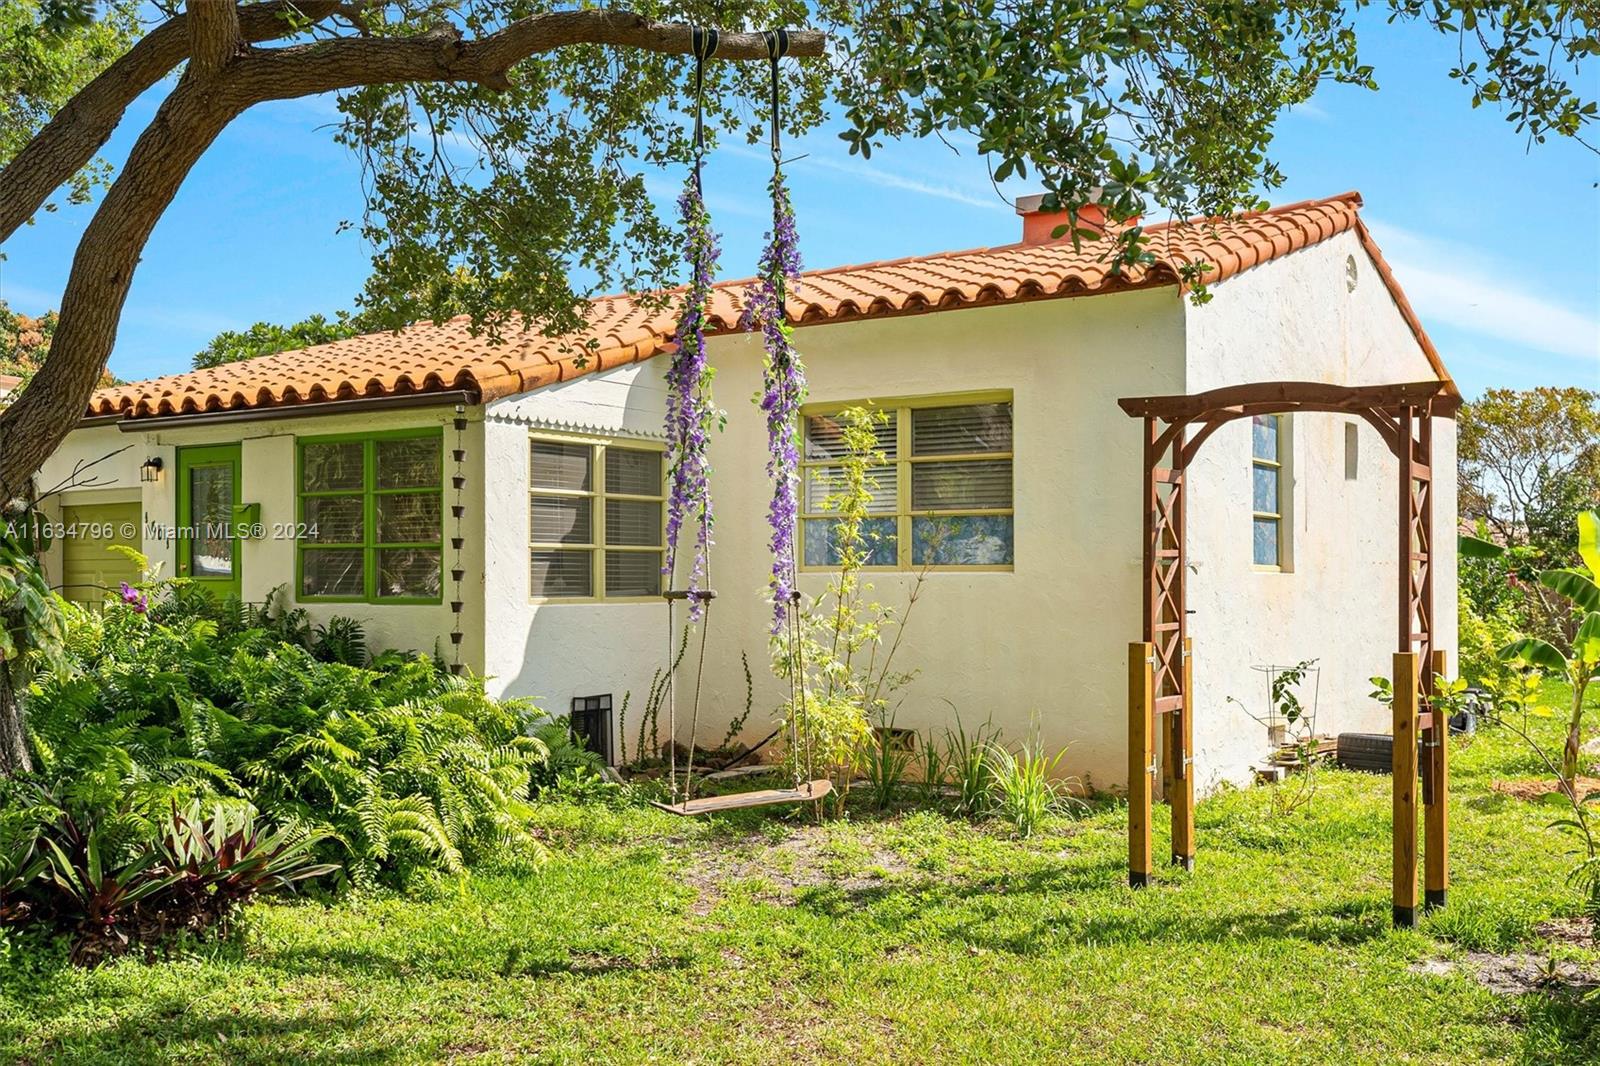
704, 40
777, 47
800, 740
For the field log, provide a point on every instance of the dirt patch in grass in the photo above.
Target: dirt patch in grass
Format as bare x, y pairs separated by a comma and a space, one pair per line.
1532, 788
809, 857
1578, 931
1517, 974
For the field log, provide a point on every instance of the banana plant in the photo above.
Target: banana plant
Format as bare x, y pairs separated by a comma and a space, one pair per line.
1580, 664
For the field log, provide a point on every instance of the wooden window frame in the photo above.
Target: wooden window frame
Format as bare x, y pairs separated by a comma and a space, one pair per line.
1278, 466
599, 495
370, 545
902, 407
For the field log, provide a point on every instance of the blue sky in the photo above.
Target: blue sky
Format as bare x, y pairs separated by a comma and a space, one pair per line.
1497, 244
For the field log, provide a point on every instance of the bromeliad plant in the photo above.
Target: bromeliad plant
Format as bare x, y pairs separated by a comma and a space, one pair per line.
83, 876
691, 414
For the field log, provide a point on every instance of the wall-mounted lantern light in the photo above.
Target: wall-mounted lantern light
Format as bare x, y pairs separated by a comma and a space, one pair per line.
150, 471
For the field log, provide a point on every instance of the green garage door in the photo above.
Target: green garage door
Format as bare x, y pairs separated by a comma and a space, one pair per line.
90, 569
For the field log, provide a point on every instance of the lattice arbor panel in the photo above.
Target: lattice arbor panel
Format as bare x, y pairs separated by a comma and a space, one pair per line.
1165, 621
1415, 450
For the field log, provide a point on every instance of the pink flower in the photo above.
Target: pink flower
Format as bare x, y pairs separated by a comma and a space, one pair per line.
132, 597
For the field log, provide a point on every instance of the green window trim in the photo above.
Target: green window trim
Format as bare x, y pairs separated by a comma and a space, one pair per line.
370, 546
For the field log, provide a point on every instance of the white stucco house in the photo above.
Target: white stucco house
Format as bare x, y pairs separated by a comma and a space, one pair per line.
503, 505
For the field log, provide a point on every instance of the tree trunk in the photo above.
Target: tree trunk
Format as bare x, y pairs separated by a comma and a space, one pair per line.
13, 736
224, 78
57, 397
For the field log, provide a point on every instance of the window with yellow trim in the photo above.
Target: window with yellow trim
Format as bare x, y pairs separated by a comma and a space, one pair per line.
596, 518
942, 496
1266, 489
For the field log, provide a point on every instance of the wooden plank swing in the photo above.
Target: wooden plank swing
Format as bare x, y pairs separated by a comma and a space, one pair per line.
814, 791
689, 806
811, 792
1160, 666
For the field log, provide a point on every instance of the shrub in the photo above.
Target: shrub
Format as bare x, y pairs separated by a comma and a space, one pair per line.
833, 649
969, 762
402, 770
1481, 636
564, 755
888, 756
828, 735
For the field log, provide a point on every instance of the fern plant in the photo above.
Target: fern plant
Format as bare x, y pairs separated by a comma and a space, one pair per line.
405, 771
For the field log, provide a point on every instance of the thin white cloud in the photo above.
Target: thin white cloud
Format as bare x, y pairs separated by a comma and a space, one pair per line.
1312, 110
876, 173
890, 179
1458, 286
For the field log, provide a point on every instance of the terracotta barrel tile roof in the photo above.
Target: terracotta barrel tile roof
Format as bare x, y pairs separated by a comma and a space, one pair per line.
445, 357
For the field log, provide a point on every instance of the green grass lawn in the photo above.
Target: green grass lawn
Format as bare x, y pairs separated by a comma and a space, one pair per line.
907, 937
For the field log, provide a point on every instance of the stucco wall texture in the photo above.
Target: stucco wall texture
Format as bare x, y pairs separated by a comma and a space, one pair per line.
267, 477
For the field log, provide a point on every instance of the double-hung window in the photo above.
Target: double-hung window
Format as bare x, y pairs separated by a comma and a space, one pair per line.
941, 497
1267, 459
596, 519
371, 512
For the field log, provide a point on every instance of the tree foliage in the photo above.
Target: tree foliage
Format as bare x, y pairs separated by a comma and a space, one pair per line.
1530, 463
47, 55
266, 338
505, 143
404, 771
25, 344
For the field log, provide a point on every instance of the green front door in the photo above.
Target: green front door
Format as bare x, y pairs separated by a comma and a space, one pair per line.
208, 490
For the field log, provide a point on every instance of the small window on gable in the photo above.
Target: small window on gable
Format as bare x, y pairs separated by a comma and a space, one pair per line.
1267, 458
1352, 451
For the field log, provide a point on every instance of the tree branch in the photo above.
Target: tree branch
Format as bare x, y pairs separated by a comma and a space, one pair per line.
186, 124
213, 34
71, 138
442, 54
200, 109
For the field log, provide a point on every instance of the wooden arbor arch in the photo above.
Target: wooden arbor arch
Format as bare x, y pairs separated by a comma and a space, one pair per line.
1160, 674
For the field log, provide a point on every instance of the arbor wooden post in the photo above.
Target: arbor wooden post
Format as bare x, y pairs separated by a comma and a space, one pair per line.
1436, 815
1182, 794
1405, 788
1141, 758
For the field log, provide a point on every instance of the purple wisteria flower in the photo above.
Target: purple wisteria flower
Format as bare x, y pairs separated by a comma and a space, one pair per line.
783, 390
134, 599
691, 415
